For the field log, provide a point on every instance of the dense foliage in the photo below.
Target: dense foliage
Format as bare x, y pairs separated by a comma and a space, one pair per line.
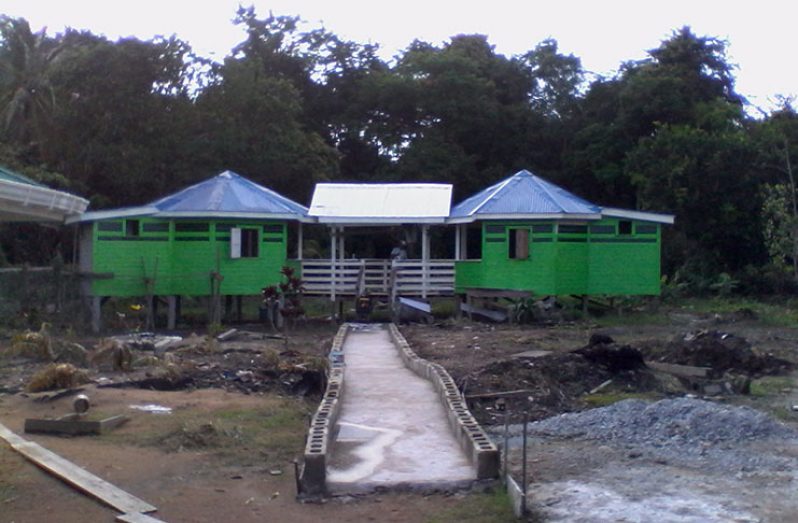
128, 121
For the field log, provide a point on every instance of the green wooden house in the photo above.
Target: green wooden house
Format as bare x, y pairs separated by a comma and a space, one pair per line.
225, 236
537, 237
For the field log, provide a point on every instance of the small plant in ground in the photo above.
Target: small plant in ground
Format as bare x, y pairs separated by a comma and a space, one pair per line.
287, 296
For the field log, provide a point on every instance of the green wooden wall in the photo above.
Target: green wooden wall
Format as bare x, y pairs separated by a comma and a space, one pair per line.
179, 255
603, 257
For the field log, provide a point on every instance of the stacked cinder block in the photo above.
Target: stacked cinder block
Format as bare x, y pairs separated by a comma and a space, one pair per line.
313, 477
473, 439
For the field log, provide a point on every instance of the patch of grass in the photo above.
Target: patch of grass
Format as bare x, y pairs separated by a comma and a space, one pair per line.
776, 314
631, 319
487, 507
770, 386
603, 399
275, 432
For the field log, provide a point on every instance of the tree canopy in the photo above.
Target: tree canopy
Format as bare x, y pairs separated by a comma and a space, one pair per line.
123, 122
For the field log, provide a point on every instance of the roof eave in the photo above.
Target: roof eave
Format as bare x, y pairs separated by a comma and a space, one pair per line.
523, 216
356, 220
28, 202
667, 219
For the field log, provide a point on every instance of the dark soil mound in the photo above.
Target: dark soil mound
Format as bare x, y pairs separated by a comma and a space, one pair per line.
545, 385
723, 353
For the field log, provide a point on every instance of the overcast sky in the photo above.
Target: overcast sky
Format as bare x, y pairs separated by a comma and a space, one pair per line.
602, 33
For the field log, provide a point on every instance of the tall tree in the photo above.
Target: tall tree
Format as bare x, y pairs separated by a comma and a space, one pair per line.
27, 97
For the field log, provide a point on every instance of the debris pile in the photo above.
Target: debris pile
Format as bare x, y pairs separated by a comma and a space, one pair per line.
722, 353
552, 383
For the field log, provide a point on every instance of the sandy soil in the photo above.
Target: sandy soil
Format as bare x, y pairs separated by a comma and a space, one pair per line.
186, 486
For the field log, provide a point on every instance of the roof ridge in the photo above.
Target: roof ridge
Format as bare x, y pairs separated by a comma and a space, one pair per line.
543, 184
489, 197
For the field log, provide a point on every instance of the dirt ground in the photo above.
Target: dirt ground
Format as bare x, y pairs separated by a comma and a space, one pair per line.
591, 481
239, 415
240, 410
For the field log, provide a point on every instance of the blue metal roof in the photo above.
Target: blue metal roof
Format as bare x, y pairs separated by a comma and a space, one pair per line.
228, 192
226, 195
524, 195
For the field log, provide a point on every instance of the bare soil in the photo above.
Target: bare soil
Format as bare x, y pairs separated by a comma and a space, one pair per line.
240, 409
239, 414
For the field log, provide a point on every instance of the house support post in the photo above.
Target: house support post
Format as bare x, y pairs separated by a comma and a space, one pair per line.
457, 234
333, 256
171, 315
424, 260
96, 309
299, 242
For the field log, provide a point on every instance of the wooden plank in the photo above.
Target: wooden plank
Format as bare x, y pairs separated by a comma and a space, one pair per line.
137, 517
686, 371
485, 395
75, 475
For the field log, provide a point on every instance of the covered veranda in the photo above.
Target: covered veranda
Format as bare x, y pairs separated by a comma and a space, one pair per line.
377, 210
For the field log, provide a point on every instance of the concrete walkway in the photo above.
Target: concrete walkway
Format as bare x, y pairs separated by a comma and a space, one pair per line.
392, 428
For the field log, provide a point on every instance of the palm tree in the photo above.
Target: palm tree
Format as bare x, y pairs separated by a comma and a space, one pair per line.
27, 97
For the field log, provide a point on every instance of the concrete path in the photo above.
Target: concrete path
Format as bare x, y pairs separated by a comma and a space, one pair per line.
392, 428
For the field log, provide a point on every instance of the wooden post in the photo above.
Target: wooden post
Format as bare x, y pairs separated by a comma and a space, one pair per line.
464, 242
424, 260
171, 315
457, 238
333, 254
300, 242
96, 313
341, 239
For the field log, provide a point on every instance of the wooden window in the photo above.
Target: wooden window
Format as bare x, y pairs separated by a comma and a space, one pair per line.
518, 246
625, 227
131, 227
243, 243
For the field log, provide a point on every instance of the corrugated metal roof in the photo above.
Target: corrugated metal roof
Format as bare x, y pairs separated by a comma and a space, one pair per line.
527, 195
24, 200
11, 176
225, 195
228, 192
381, 202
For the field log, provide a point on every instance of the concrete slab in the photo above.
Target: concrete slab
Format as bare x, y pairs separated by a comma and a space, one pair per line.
392, 429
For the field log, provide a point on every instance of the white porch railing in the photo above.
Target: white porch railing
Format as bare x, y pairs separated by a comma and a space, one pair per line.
378, 277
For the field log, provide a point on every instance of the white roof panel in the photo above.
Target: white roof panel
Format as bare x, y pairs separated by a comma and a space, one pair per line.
381, 202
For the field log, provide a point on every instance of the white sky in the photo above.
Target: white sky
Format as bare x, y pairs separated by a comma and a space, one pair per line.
602, 33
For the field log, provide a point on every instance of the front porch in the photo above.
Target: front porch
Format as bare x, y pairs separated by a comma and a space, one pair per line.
377, 277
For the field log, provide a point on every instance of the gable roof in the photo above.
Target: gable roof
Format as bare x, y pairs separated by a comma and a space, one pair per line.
24, 200
523, 195
226, 195
381, 203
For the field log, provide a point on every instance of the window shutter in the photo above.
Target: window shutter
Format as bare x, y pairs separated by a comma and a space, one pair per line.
235, 242
522, 244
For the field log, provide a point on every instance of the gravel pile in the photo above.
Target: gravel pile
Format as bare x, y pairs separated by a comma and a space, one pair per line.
683, 430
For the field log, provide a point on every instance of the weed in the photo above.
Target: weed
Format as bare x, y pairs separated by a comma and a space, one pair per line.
488, 507
61, 376
274, 432
770, 386
608, 398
